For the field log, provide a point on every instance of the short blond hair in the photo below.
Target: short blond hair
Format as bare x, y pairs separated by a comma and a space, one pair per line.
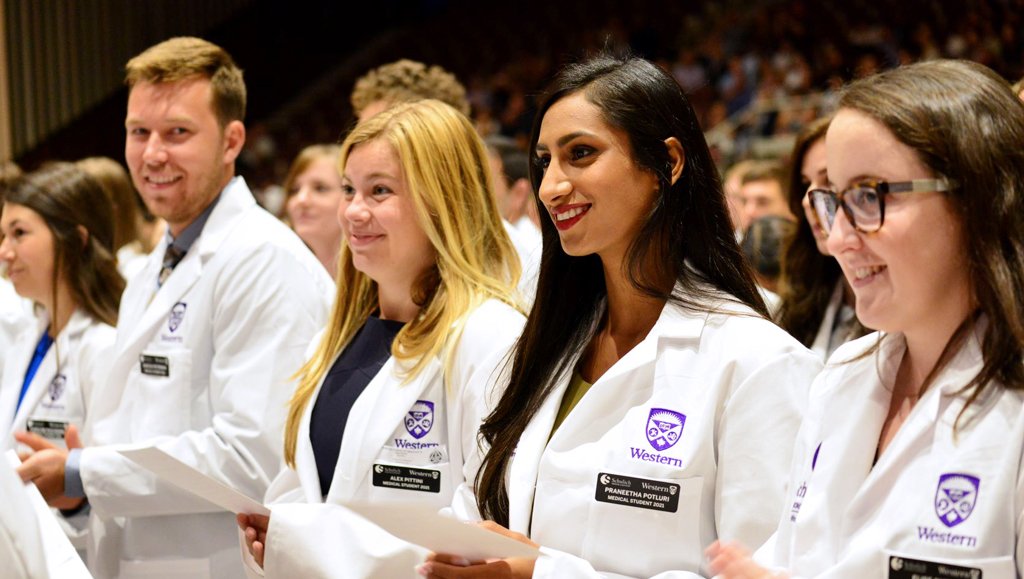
406, 81
185, 58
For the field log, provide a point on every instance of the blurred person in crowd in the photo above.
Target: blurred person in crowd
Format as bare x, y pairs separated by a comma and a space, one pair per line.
762, 245
817, 302
314, 190
909, 459
406, 81
211, 331
58, 246
761, 189
128, 240
423, 319
15, 311
1018, 88
647, 362
732, 181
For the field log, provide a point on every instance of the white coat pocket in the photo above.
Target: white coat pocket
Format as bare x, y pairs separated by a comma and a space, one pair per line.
161, 387
657, 519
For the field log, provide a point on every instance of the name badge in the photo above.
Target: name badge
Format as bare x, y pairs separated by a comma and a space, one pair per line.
51, 429
637, 492
406, 478
904, 568
155, 365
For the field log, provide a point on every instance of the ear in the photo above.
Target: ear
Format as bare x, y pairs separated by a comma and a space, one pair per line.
84, 234
676, 157
234, 140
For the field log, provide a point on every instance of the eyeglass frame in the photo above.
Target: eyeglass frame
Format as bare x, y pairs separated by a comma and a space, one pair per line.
882, 188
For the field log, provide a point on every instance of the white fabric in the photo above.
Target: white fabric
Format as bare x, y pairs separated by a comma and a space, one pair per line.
846, 518
15, 317
21, 548
741, 383
528, 247
314, 537
230, 326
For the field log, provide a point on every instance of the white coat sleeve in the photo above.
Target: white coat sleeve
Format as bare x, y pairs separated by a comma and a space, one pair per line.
266, 308
482, 363
21, 546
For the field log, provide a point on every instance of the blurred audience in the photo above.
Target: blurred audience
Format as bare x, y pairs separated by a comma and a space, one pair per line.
314, 190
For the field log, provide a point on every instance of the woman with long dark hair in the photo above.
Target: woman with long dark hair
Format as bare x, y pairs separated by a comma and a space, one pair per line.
909, 460
651, 405
817, 302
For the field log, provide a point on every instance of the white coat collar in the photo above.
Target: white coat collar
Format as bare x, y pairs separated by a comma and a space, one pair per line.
14, 377
234, 202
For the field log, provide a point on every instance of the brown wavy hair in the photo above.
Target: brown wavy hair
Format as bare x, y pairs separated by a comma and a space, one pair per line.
68, 199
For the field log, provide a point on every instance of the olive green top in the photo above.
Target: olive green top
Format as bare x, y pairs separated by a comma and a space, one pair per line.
578, 387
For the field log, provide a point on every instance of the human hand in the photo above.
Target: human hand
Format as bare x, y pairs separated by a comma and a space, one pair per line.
254, 527
730, 560
44, 466
440, 566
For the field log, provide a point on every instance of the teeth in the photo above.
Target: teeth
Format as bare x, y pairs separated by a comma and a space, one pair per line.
161, 180
863, 272
569, 214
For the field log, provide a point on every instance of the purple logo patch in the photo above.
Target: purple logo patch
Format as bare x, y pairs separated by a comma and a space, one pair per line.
177, 316
664, 427
57, 387
955, 498
420, 418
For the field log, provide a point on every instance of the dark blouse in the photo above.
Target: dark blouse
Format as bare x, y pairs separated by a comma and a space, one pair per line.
345, 381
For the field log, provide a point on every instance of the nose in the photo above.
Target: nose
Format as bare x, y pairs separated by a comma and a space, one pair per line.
554, 186
842, 235
155, 153
6, 249
353, 210
301, 196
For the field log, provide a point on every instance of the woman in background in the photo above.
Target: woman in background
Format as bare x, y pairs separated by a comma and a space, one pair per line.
313, 189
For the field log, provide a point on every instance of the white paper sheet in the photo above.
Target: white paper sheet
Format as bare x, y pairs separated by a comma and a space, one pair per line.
172, 470
423, 526
62, 559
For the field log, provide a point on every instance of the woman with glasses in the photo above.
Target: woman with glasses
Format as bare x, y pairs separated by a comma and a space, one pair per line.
910, 458
817, 302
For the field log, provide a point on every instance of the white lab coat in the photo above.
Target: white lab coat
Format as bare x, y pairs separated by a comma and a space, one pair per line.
15, 317
845, 518
827, 341
21, 547
227, 329
528, 248
740, 384
58, 396
310, 536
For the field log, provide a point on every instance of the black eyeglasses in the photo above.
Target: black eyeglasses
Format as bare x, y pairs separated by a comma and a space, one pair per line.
864, 203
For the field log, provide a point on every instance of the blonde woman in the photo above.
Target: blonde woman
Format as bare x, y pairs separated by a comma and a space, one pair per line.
398, 383
313, 186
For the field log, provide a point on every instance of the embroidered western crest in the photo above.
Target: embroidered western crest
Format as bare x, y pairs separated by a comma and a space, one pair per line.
176, 317
955, 498
420, 418
57, 387
664, 427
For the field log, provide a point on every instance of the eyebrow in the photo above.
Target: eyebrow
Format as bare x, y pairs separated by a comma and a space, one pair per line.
561, 142
375, 175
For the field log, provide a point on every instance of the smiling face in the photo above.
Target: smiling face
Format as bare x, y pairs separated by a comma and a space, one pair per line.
28, 251
178, 154
911, 275
595, 193
312, 205
815, 176
378, 218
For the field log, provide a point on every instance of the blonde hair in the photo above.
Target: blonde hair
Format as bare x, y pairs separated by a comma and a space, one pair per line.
445, 168
119, 189
185, 58
406, 81
305, 158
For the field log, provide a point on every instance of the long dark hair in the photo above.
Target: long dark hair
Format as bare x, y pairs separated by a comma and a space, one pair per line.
808, 277
67, 198
687, 237
965, 124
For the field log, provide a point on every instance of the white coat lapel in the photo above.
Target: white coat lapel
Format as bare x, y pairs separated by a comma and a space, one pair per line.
305, 461
44, 374
375, 416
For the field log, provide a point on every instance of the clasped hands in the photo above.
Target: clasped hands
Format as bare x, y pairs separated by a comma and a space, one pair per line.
44, 466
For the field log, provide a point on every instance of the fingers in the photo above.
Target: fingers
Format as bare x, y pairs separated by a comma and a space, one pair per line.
257, 553
242, 521
437, 570
33, 441
71, 438
449, 559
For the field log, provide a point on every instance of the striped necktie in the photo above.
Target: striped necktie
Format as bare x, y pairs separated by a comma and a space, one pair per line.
172, 256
